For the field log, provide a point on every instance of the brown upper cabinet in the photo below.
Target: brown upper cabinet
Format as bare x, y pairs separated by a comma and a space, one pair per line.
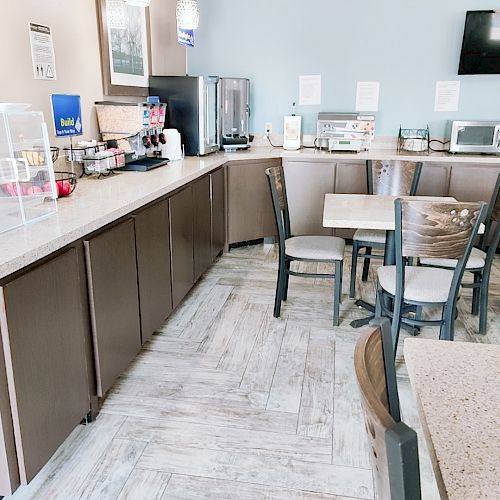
152, 240
114, 301
44, 327
250, 209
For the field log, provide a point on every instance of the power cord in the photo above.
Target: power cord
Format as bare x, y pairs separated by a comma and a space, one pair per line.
301, 147
443, 143
269, 139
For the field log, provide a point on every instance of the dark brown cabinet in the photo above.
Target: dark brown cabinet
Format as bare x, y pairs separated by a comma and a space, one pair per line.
114, 301
250, 209
152, 240
44, 328
217, 194
181, 243
202, 226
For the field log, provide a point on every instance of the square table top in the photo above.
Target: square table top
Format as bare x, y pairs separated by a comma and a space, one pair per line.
365, 211
456, 387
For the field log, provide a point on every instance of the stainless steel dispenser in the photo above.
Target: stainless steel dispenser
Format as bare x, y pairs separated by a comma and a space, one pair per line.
234, 99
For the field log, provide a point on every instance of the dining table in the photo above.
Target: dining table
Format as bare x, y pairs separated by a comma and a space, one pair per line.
368, 211
456, 389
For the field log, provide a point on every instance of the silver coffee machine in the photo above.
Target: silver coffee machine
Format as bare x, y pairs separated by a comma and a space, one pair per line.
234, 101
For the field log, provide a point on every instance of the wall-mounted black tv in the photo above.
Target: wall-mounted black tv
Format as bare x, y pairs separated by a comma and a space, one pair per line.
481, 44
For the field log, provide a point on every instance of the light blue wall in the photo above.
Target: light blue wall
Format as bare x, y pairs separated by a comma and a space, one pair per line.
407, 45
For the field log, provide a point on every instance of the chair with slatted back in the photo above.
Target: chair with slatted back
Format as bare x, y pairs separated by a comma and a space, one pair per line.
394, 445
391, 178
434, 230
480, 260
328, 249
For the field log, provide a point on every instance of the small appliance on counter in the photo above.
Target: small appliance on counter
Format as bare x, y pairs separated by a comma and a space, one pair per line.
345, 131
172, 149
234, 101
480, 137
192, 109
134, 128
414, 140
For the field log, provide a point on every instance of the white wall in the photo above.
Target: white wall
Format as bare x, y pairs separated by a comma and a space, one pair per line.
77, 51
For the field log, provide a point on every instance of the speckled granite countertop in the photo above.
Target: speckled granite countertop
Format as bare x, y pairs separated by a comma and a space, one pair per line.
457, 386
96, 203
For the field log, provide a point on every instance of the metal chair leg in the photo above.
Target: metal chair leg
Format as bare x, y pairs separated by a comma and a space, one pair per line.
337, 294
447, 328
378, 302
476, 294
483, 306
366, 264
396, 323
354, 265
279, 289
287, 278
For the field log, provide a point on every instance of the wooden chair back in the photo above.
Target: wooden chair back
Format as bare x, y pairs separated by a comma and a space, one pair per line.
394, 445
393, 177
277, 186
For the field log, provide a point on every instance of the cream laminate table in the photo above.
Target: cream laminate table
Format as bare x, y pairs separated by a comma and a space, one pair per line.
456, 385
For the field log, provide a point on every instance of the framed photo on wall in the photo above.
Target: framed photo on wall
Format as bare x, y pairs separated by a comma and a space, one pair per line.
124, 34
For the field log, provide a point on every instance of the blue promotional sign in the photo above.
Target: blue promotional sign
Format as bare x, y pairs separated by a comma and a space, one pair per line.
67, 114
185, 37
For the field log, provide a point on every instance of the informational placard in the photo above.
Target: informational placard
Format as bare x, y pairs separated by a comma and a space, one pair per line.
185, 37
447, 96
309, 90
42, 52
367, 96
67, 115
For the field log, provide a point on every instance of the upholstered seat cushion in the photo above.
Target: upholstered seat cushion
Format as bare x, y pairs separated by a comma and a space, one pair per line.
370, 235
476, 260
422, 284
315, 247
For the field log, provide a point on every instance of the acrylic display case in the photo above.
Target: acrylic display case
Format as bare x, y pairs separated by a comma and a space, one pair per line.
27, 185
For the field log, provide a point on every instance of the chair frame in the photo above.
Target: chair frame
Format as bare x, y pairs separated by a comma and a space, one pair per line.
282, 216
400, 441
446, 323
358, 245
481, 276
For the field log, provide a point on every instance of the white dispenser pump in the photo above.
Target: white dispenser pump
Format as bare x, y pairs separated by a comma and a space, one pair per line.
292, 131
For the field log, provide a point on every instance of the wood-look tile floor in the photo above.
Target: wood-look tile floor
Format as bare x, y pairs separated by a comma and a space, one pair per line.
226, 402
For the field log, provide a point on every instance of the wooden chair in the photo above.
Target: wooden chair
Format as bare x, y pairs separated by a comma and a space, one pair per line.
427, 229
391, 178
394, 445
480, 260
301, 248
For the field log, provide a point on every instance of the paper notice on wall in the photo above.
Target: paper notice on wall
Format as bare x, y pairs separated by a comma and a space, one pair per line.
309, 90
42, 52
447, 96
367, 94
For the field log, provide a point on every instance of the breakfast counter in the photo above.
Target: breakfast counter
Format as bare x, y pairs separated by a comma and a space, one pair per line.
98, 202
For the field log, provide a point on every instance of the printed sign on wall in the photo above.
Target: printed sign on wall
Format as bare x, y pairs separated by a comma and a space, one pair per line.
185, 37
42, 52
67, 114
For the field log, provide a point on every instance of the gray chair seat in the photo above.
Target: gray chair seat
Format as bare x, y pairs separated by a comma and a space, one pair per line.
422, 284
371, 235
476, 260
315, 247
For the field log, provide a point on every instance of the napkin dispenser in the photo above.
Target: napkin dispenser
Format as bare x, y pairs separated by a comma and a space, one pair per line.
172, 149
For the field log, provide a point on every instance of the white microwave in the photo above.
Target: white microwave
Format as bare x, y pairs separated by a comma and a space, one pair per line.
474, 137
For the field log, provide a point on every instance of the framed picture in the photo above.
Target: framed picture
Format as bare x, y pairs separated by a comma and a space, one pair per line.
125, 50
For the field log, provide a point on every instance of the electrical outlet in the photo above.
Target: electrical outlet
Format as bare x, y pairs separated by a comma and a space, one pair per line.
268, 128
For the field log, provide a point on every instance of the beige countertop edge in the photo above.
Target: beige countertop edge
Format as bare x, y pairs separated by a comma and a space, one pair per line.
23, 246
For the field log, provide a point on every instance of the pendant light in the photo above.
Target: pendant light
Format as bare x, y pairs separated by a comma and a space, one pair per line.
116, 14
187, 14
138, 3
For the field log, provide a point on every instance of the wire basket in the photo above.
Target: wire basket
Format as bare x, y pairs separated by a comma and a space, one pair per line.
413, 140
62, 178
36, 156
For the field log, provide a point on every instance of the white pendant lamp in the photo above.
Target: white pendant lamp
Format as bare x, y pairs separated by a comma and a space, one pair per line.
116, 14
138, 3
187, 14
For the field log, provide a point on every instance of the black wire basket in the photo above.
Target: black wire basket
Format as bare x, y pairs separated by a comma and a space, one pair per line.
62, 177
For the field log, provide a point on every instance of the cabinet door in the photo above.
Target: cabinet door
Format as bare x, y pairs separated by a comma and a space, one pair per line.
434, 180
470, 183
43, 329
152, 240
114, 301
218, 212
250, 209
181, 244
202, 235
306, 186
